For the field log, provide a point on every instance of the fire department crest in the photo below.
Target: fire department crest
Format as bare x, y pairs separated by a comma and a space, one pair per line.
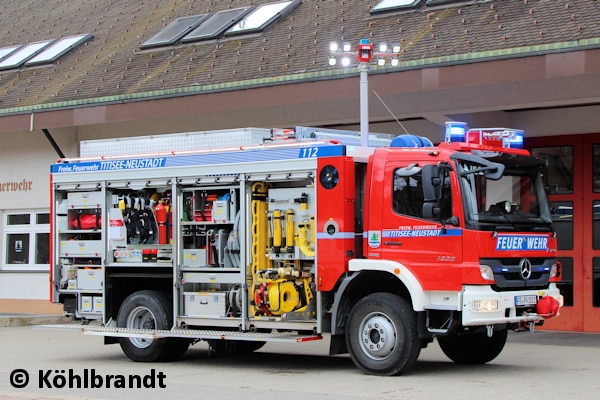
374, 239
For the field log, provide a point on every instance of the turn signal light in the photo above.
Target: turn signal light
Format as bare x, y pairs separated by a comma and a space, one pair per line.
486, 272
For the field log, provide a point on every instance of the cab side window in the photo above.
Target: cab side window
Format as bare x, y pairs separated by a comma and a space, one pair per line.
409, 194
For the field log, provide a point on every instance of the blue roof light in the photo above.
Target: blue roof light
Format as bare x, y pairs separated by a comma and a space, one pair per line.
455, 131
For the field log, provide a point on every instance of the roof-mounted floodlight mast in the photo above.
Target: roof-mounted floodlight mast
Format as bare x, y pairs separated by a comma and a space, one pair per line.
364, 56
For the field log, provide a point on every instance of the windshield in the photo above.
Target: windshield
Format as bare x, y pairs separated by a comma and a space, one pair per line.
514, 201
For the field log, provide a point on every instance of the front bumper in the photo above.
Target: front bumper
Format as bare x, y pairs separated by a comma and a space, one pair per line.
483, 306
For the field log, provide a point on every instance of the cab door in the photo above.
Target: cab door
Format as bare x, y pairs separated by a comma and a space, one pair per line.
411, 229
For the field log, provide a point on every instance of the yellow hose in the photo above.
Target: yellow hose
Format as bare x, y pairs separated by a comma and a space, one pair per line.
260, 233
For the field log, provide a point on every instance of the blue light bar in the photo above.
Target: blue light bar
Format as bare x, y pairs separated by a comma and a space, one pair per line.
515, 141
496, 137
455, 131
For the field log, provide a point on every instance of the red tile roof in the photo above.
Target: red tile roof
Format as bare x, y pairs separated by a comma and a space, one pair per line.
112, 65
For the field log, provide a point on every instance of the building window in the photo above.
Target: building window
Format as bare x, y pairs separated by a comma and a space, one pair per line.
596, 168
393, 5
559, 160
230, 22
27, 241
262, 16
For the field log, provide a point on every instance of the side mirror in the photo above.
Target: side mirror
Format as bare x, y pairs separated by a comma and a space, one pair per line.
434, 192
431, 183
431, 211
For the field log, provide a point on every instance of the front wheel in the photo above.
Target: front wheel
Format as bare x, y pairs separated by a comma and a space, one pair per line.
148, 309
381, 335
473, 348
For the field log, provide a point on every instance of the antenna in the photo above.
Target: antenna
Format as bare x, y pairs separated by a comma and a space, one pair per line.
390, 111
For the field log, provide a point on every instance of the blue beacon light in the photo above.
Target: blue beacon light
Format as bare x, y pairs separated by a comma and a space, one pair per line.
455, 131
516, 139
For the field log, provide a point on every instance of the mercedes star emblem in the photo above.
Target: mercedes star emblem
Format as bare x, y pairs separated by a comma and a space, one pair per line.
525, 268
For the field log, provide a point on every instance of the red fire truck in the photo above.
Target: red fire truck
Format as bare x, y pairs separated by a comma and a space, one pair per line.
303, 236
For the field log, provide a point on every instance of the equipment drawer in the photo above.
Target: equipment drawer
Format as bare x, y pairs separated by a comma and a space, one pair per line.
89, 279
205, 304
71, 248
84, 199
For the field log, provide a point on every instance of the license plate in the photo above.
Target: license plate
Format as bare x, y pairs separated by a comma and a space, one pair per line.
526, 300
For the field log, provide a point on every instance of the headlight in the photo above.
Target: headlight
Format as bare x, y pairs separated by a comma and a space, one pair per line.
486, 272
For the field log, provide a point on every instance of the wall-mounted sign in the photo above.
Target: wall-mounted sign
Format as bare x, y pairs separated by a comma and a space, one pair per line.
23, 185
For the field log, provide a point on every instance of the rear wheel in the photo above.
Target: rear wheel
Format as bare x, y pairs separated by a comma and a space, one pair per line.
381, 335
148, 309
473, 348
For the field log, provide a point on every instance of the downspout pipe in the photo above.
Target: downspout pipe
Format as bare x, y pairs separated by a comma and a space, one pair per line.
53, 143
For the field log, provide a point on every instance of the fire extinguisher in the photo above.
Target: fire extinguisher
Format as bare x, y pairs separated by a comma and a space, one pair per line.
161, 220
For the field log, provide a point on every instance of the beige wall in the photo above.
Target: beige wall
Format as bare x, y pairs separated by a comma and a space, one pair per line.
24, 185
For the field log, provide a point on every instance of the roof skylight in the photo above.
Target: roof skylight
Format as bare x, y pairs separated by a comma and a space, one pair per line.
389, 5
18, 57
216, 24
5, 51
58, 48
438, 2
175, 31
262, 17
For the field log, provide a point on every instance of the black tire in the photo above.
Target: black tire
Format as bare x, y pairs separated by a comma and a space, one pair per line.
382, 336
148, 309
473, 348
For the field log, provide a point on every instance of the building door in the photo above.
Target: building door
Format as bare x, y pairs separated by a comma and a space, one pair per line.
591, 229
574, 187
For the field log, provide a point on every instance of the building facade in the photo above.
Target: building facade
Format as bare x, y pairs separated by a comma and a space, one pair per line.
75, 71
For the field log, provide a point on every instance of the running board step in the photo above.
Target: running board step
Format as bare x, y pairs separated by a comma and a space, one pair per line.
100, 330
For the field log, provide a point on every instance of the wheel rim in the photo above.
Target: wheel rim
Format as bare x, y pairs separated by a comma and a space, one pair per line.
377, 336
141, 318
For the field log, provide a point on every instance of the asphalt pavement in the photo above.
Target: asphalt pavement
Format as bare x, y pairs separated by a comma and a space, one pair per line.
42, 364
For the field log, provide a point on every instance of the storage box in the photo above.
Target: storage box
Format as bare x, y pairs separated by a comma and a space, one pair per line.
89, 279
205, 304
86, 304
194, 258
220, 211
71, 248
98, 304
